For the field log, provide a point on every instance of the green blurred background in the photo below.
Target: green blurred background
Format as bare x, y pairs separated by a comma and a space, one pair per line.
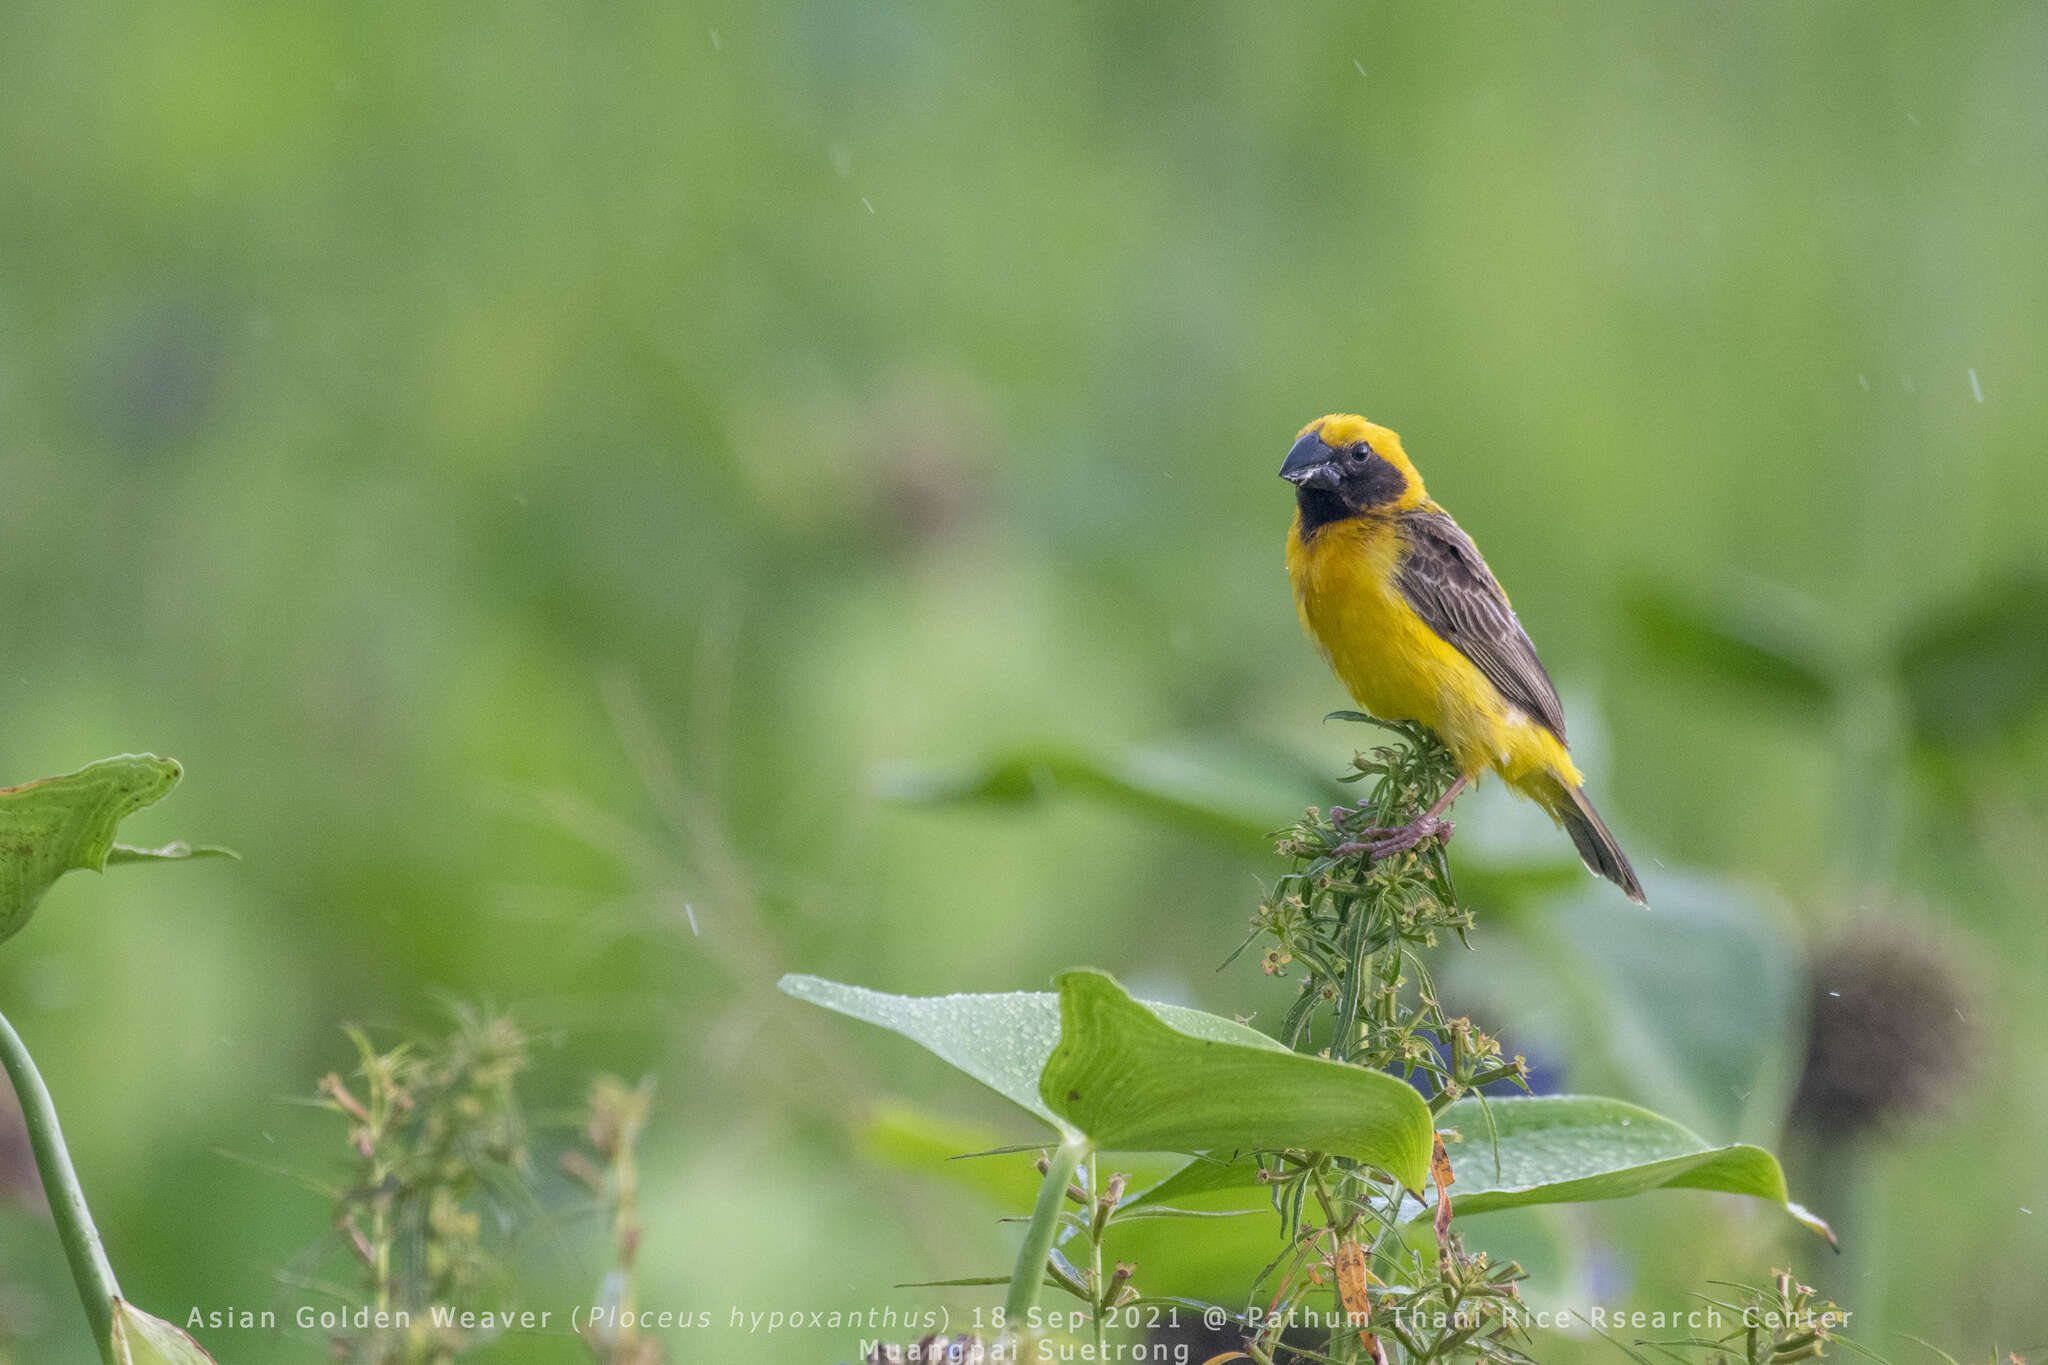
538, 465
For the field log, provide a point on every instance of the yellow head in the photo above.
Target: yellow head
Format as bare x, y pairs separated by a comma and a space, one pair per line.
1344, 466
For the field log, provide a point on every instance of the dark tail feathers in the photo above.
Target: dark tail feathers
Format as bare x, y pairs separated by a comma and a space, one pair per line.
1595, 842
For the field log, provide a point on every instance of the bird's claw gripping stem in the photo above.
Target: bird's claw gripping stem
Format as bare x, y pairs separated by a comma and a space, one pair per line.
1385, 843
1378, 843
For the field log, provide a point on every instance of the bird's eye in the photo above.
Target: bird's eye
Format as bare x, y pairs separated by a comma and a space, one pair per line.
1359, 451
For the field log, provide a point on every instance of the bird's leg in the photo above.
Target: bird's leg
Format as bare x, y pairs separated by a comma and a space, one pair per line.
1429, 825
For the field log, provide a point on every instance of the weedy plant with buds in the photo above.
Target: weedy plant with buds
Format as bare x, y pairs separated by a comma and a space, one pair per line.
1369, 1126
611, 1173
435, 1133
441, 1187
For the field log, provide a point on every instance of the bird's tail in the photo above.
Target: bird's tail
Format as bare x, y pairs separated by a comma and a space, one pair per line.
1568, 806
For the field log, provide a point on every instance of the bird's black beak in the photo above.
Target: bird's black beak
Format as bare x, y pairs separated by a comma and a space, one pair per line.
1311, 464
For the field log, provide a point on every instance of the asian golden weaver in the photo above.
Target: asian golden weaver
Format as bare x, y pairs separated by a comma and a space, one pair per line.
1397, 598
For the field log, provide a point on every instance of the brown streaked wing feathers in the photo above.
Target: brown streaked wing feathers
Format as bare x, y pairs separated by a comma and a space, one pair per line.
1447, 583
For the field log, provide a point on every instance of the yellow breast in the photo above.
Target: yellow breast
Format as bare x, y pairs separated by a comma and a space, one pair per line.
1389, 659
1393, 664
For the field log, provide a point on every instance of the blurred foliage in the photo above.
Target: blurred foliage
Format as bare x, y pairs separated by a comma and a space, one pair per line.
1971, 670
1694, 1008
1208, 796
877, 383
1751, 638
1977, 671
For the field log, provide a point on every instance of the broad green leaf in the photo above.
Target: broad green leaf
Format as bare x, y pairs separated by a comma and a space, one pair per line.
140, 1339
1766, 639
1555, 1149
60, 824
1000, 1040
1131, 1082
1552, 1149
1129, 1076
1979, 666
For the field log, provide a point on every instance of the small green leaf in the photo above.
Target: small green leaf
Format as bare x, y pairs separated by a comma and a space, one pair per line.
1756, 636
1555, 1149
60, 824
177, 851
960, 1153
1131, 1082
140, 1339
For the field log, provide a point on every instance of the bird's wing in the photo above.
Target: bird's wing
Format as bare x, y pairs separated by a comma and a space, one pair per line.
1443, 578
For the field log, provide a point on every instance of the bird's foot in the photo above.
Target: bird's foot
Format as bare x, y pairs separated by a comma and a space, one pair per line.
1379, 843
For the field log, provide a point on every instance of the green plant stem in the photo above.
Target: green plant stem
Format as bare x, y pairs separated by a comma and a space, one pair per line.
1029, 1275
97, 1288
1097, 1286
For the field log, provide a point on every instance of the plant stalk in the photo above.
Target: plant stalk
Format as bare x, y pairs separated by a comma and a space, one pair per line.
97, 1288
1029, 1275
1097, 1285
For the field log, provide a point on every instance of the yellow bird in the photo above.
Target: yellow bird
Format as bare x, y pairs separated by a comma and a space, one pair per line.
1397, 598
